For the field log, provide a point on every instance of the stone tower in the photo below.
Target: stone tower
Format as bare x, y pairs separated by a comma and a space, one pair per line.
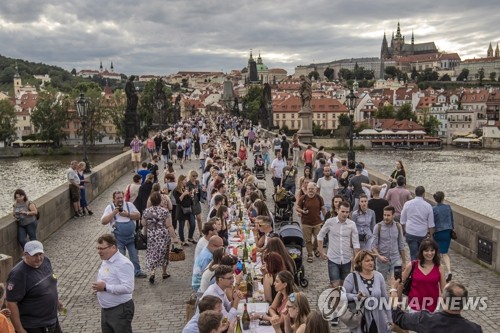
490, 52
112, 68
497, 52
17, 82
397, 42
252, 70
100, 68
384, 50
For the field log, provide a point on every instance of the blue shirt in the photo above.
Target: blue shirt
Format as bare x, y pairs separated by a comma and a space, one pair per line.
192, 325
143, 173
200, 264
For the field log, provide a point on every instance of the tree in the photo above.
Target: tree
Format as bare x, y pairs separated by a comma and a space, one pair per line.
414, 74
148, 112
251, 103
385, 112
50, 116
185, 83
73, 72
493, 76
392, 71
463, 75
314, 75
344, 120
405, 113
428, 75
481, 75
345, 74
329, 73
8, 121
445, 77
430, 122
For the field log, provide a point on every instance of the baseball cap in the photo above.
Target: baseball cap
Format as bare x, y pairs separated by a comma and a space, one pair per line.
33, 247
359, 167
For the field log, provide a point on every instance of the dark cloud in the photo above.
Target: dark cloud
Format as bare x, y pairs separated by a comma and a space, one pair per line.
160, 37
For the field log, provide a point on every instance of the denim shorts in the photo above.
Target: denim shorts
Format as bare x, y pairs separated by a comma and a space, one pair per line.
338, 272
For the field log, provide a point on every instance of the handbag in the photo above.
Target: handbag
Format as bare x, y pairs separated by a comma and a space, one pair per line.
176, 253
454, 235
190, 307
353, 317
186, 210
141, 240
408, 281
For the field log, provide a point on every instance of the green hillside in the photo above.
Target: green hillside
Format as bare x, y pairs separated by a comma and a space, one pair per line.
61, 79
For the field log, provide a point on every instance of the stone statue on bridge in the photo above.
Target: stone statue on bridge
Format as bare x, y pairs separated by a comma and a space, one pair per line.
305, 92
132, 98
266, 107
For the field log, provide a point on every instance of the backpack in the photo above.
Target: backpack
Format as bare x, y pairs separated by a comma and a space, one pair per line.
400, 230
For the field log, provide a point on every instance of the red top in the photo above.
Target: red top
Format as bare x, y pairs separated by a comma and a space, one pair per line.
424, 291
308, 156
242, 153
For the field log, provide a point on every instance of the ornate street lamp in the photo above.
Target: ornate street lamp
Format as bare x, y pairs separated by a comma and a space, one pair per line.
159, 107
351, 156
82, 107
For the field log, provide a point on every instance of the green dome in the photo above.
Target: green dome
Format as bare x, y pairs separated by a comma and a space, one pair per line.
261, 68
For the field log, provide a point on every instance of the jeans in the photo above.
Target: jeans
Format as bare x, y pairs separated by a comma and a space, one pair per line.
414, 244
26, 230
202, 165
129, 245
182, 223
338, 272
165, 160
290, 187
386, 268
267, 159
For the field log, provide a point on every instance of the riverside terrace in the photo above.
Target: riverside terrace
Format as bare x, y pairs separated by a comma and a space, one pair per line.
160, 307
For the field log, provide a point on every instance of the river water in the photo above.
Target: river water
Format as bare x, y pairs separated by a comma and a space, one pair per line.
469, 178
36, 175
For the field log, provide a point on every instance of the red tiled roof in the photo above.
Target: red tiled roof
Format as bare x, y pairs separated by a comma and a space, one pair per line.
399, 125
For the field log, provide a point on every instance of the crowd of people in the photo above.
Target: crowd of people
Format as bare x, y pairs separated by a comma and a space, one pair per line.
357, 229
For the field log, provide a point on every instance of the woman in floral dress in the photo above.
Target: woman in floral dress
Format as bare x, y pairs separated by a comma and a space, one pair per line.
160, 232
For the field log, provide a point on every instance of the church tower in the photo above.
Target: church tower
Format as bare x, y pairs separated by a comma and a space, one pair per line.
253, 77
490, 52
17, 82
398, 42
497, 52
384, 50
112, 68
100, 68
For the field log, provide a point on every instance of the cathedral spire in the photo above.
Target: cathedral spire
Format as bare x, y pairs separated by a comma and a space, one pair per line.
259, 59
100, 67
412, 38
497, 52
251, 57
490, 51
398, 32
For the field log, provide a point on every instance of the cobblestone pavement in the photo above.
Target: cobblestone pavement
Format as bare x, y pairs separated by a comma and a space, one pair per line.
160, 307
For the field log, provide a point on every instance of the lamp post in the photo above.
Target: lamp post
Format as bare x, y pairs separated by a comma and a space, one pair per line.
351, 155
159, 106
82, 107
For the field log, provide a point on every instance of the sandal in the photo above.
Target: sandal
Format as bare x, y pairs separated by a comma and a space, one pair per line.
310, 259
152, 279
192, 241
317, 254
165, 276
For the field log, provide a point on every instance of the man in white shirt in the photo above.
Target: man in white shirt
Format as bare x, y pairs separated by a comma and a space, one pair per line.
343, 245
277, 169
208, 230
417, 219
224, 279
328, 187
114, 287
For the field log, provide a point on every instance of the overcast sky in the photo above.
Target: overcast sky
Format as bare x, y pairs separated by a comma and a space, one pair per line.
165, 36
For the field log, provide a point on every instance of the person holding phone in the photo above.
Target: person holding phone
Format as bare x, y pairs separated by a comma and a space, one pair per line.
388, 244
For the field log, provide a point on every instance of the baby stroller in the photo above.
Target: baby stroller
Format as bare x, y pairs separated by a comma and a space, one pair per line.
283, 205
259, 169
293, 238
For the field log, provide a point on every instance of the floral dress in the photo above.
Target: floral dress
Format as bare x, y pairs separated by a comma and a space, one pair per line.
158, 237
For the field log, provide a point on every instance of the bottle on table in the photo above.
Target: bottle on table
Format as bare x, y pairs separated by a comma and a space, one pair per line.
245, 252
249, 282
245, 319
238, 328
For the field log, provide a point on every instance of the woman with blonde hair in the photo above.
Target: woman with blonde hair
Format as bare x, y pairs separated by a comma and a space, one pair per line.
165, 200
184, 200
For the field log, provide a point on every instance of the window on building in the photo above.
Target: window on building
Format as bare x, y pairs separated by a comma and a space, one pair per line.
293, 115
324, 115
293, 124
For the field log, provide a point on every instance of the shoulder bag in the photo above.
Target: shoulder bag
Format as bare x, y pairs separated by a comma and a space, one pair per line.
353, 317
408, 281
141, 240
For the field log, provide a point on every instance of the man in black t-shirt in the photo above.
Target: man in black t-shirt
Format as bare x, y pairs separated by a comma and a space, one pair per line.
32, 293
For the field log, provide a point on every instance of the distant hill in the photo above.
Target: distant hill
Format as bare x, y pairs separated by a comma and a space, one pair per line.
61, 79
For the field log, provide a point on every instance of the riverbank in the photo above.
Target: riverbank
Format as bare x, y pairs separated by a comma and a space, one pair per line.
10, 152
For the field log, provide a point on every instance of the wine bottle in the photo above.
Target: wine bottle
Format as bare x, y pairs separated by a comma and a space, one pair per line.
249, 283
245, 319
238, 325
245, 252
244, 268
